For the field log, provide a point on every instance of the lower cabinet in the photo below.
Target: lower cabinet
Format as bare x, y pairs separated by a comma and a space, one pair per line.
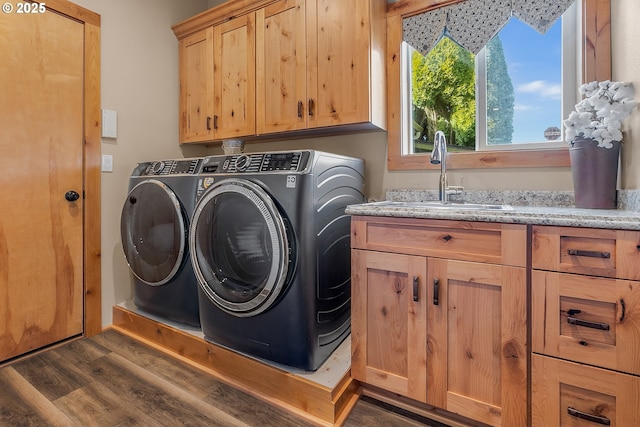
566, 393
436, 321
585, 315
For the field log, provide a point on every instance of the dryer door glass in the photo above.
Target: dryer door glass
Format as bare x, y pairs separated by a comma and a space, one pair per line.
240, 247
153, 232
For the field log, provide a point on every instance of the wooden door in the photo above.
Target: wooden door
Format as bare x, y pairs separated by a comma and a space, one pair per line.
195, 58
388, 329
41, 158
477, 335
234, 77
281, 67
339, 42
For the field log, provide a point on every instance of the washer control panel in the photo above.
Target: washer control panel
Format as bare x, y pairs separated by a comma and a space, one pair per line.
171, 167
290, 161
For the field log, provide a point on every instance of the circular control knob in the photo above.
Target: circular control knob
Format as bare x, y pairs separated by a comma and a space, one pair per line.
157, 167
242, 163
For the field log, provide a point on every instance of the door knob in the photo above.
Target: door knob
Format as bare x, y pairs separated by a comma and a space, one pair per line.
71, 196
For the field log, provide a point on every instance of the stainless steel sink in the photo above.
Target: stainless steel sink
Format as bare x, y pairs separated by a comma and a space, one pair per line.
444, 205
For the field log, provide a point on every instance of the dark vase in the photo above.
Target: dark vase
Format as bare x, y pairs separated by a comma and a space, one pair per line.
595, 173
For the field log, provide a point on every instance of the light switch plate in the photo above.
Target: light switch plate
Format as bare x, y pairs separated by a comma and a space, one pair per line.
107, 163
109, 124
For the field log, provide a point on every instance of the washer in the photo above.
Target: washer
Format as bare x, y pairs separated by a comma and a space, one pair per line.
154, 229
271, 250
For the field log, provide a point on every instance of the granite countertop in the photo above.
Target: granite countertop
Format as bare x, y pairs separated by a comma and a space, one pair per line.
541, 208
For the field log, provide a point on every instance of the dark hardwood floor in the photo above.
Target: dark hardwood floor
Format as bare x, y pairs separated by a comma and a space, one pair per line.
114, 380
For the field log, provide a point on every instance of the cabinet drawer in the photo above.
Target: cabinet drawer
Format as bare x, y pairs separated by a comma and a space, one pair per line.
460, 240
587, 319
569, 394
607, 253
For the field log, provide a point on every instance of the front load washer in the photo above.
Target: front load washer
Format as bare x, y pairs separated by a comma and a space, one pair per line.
154, 229
270, 244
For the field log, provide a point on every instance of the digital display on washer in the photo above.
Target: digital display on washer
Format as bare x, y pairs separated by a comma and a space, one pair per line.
281, 162
181, 166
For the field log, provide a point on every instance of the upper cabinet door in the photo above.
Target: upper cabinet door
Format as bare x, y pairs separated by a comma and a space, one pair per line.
345, 49
196, 86
281, 66
234, 78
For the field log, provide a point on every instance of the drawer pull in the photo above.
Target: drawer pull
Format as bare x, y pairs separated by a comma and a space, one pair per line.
300, 109
436, 292
587, 324
416, 282
592, 254
311, 105
588, 417
623, 309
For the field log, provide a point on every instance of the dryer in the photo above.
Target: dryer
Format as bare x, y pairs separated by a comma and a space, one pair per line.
154, 229
270, 244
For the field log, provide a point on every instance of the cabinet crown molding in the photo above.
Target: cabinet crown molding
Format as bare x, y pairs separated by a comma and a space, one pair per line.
216, 15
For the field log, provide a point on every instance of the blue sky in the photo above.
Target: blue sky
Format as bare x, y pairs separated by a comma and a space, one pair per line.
534, 63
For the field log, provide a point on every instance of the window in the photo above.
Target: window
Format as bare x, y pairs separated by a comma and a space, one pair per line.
504, 97
596, 60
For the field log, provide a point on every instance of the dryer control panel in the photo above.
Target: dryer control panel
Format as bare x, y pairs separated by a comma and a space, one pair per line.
169, 167
290, 161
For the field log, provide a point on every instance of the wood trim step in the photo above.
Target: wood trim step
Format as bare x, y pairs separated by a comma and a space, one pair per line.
314, 402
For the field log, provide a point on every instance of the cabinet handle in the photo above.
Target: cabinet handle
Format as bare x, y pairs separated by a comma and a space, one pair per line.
436, 291
587, 324
592, 254
208, 122
588, 417
215, 121
623, 308
416, 282
300, 109
311, 105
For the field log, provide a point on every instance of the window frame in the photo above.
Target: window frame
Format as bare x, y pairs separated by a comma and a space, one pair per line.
596, 65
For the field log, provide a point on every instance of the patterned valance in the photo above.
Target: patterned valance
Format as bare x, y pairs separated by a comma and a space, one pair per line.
473, 23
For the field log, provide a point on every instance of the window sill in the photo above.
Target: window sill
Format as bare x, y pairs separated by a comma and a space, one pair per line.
558, 157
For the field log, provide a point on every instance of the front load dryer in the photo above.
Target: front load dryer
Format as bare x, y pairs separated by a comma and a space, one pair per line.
154, 230
270, 244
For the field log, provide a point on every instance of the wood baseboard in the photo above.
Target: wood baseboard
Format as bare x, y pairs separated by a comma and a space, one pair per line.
314, 402
418, 408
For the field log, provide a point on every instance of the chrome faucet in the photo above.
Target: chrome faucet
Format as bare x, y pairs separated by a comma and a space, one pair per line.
439, 156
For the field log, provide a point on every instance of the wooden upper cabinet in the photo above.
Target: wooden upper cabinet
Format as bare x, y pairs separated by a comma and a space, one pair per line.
234, 78
346, 46
195, 56
281, 64
217, 81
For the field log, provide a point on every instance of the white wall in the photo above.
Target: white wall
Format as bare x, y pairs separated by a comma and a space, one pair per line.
140, 82
139, 73
625, 35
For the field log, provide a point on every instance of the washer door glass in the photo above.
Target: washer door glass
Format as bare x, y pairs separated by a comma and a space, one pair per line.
153, 232
240, 247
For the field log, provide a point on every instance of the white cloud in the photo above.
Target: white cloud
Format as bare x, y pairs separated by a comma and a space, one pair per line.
525, 107
542, 88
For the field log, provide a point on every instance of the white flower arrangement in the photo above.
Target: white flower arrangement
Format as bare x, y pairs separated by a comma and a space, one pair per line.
598, 116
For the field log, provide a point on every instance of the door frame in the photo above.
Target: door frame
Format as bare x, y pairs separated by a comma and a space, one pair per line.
92, 312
